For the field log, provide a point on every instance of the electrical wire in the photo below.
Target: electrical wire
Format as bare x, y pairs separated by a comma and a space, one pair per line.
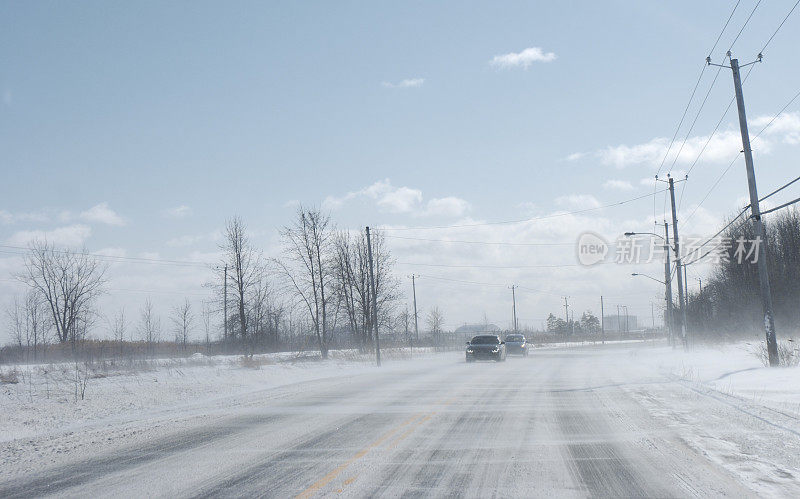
744, 25
779, 189
525, 220
694, 89
497, 267
784, 205
476, 242
21, 250
694, 122
780, 26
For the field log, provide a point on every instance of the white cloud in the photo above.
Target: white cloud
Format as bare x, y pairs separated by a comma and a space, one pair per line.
181, 211
575, 156
390, 198
620, 185
407, 83
578, 201
401, 200
193, 239
721, 147
522, 59
785, 126
7, 217
73, 236
447, 207
101, 213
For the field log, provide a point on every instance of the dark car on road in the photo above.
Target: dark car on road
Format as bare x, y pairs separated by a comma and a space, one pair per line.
516, 345
486, 347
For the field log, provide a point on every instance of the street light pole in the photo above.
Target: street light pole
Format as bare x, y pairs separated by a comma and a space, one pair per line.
667, 281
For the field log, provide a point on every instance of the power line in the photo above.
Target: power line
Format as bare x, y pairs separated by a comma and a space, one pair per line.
780, 26
744, 210
452, 266
784, 205
460, 281
525, 220
503, 243
732, 99
779, 189
744, 25
724, 27
21, 250
694, 90
694, 122
775, 117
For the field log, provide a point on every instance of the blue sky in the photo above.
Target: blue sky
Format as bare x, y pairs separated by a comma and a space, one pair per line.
137, 128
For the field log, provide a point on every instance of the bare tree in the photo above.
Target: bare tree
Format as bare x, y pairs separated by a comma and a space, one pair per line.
69, 284
264, 314
182, 320
118, 327
435, 322
16, 323
149, 326
307, 245
350, 267
206, 313
244, 268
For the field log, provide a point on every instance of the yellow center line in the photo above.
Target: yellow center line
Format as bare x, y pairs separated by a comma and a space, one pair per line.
396, 441
411, 430
347, 482
333, 474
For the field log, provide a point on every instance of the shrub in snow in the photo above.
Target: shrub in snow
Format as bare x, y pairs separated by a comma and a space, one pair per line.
10, 377
788, 354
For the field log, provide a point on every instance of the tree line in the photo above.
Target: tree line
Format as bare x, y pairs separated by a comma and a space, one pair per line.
314, 294
729, 303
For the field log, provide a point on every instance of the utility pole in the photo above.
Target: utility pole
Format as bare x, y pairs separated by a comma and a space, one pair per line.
374, 302
677, 249
758, 224
566, 311
619, 321
225, 302
602, 322
414, 290
686, 286
627, 330
652, 316
668, 280
514, 306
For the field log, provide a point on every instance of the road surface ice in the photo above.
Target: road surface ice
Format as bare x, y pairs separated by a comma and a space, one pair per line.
614, 420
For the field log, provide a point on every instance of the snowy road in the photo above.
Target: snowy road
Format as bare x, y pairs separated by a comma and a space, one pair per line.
571, 422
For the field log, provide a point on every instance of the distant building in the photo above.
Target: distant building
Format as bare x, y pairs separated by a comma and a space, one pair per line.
477, 329
620, 324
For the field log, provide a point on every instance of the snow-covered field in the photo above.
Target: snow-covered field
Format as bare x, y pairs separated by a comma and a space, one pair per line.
66, 397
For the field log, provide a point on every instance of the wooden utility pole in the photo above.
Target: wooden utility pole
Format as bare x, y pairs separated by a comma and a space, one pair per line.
374, 301
416, 323
225, 302
677, 250
514, 306
602, 322
758, 224
668, 281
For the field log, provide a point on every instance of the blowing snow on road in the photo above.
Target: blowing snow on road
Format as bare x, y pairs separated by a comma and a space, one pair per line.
580, 421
